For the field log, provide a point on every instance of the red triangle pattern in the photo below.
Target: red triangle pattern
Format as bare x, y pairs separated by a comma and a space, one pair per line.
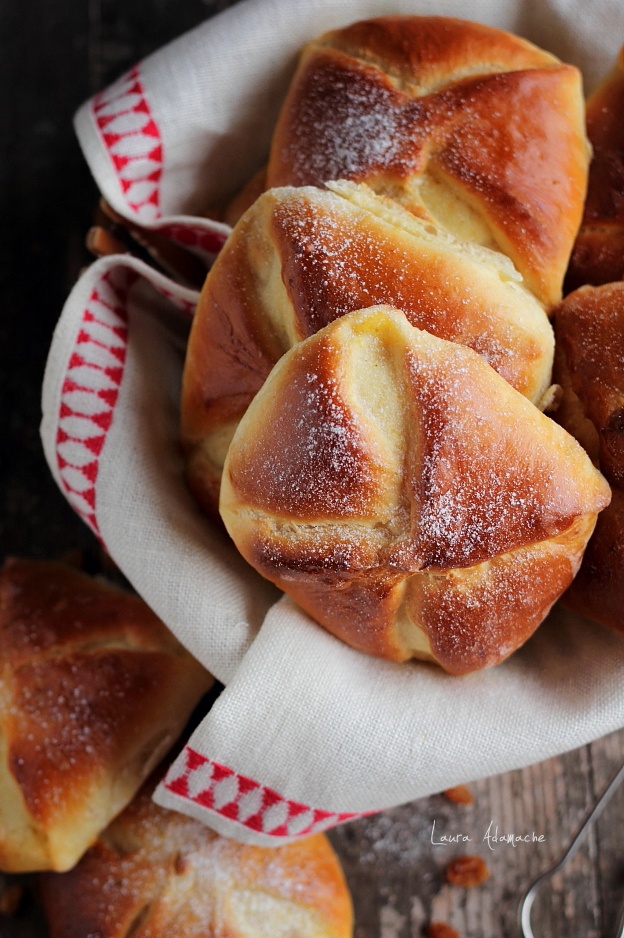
230, 811
94, 444
179, 787
119, 162
320, 820
119, 330
118, 351
118, 100
139, 168
151, 130
152, 199
201, 240
114, 307
104, 314
118, 90
115, 374
109, 396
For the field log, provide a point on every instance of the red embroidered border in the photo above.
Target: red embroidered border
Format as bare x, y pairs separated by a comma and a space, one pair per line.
90, 389
132, 139
241, 799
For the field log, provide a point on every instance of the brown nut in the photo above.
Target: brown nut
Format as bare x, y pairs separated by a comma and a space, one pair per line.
459, 794
441, 930
467, 870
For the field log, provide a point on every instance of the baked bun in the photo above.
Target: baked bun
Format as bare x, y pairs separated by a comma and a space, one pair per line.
406, 496
598, 255
300, 258
93, 691
598, 590
156, 873
465, 125
590, 369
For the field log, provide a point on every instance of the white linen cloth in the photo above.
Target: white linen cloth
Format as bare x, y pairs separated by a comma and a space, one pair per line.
308, 732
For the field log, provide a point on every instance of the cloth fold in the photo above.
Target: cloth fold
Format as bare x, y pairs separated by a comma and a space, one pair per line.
308, 732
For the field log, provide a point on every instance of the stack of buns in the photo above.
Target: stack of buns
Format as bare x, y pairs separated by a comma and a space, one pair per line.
300, 258
598, 255
590, 367
390, 467
469, 127
406, 496
95, 691
156, 873
590, 336
362, 408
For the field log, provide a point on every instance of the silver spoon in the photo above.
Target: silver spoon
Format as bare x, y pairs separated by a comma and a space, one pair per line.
526, 903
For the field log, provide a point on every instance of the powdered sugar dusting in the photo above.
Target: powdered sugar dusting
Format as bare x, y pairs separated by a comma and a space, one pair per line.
358, 124
181, 878
503, 141
484, 488
313, 458
333, 440
338, 256
483, 613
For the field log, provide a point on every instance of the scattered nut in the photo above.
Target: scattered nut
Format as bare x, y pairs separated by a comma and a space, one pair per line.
467, 870
459, 794
441, 930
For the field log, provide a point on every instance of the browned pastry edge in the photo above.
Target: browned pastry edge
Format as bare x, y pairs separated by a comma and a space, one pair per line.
589, 366
456, 120
155, 873
301, 257
598, 590
94, 690
406, 496
589, 327
598, 255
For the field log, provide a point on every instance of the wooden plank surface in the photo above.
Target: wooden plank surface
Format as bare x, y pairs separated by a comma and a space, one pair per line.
397, 873
53, 58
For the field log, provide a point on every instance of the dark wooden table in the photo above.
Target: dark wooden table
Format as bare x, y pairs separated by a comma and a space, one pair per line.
54, 55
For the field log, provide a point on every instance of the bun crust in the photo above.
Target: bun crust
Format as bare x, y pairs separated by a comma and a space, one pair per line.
156, 873
463, 124
94, 690
590, 369
406, 496
598, 255
301, 258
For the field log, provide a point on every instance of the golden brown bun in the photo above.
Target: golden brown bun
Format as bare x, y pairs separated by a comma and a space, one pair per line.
598, 255
158, 874
590, 368
406, 496
93, 692
598, 590
463, 124
300, 258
